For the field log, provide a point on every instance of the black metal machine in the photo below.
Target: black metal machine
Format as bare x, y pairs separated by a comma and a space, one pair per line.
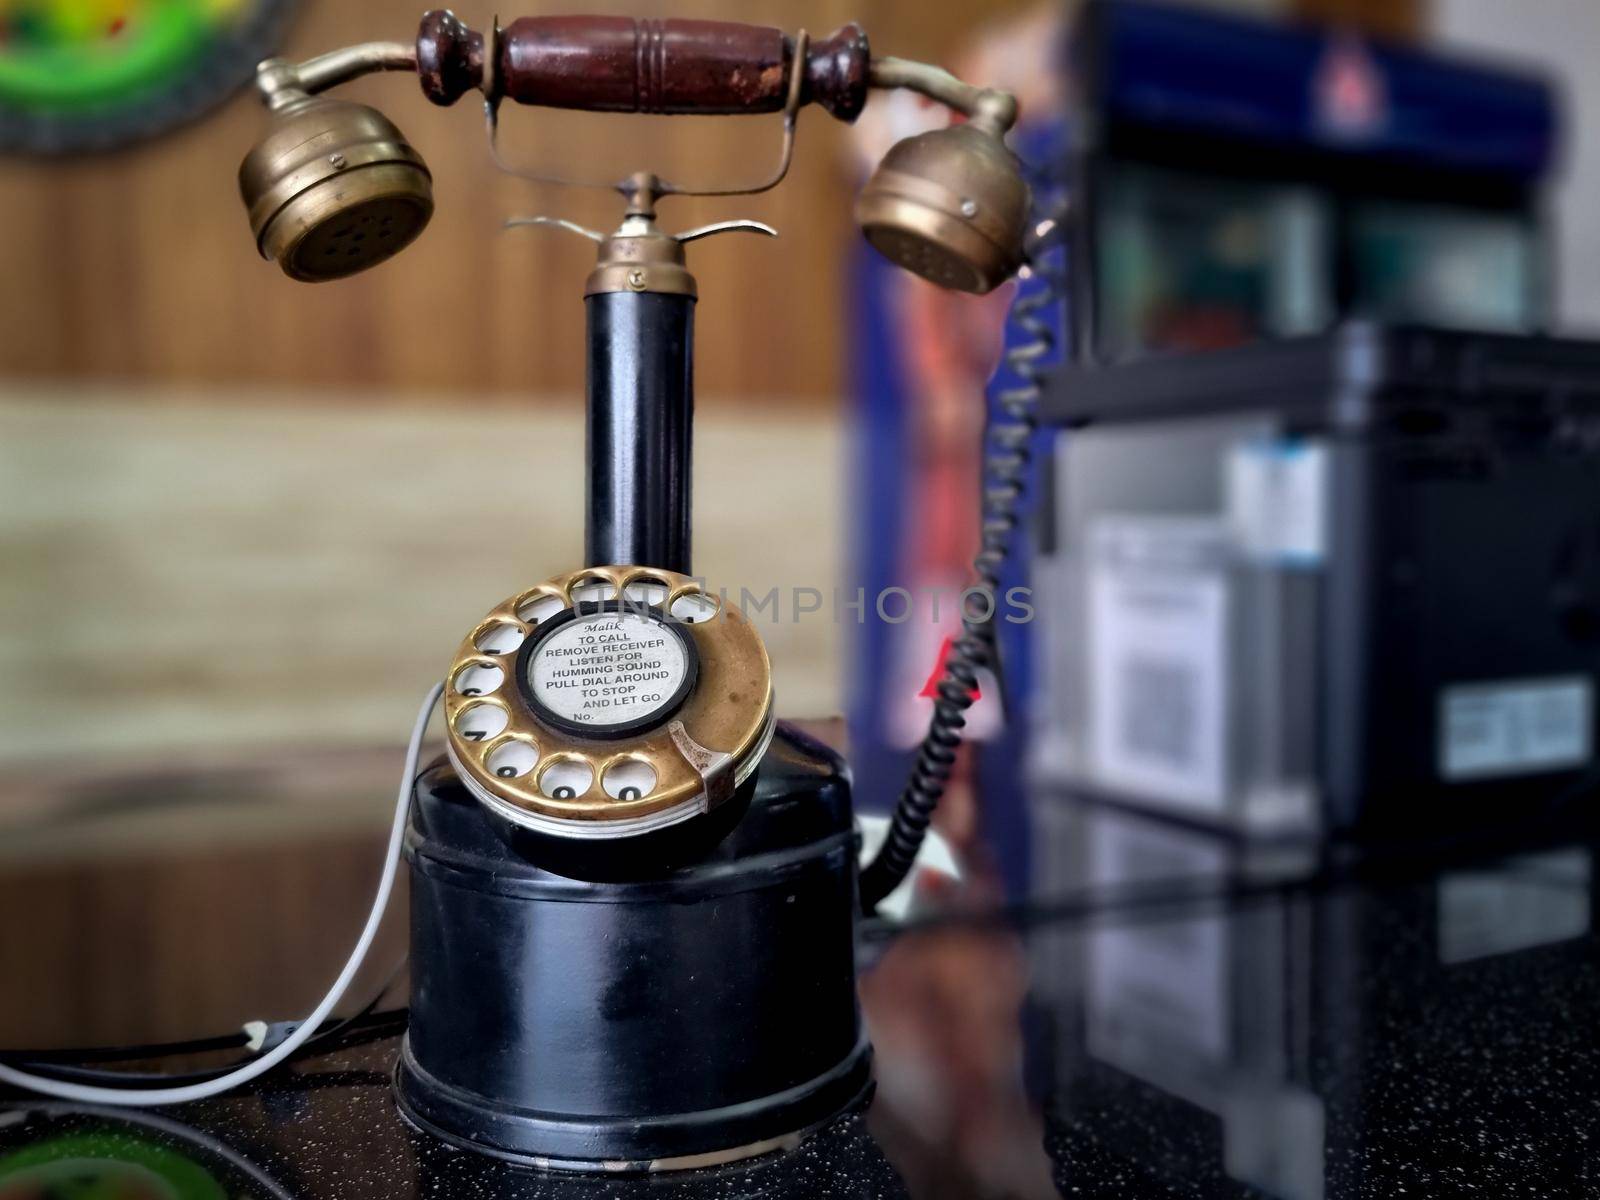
1347, 583
1238, 179
1318, 537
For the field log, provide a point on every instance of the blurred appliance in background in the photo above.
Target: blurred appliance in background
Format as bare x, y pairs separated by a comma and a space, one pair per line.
1239, 179
1267, 1034
1345, 578
1344, 581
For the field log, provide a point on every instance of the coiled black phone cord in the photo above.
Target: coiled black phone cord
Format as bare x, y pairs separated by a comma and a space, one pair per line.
1008, 438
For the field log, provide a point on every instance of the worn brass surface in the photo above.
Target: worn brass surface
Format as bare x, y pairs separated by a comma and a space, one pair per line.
333, 188
640, 258
992, 110
282, 83
950, 206
729, 712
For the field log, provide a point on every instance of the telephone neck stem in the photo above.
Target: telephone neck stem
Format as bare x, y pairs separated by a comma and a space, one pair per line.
640, 388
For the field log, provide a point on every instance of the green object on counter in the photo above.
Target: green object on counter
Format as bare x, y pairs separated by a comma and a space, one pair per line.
104, 1166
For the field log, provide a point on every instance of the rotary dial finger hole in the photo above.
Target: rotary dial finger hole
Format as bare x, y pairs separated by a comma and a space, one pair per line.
645, 591
500, 637
512, 760
540, 607
630, 779
692, 608
571, 740
566, 779
480, 722
479, 679
593, 590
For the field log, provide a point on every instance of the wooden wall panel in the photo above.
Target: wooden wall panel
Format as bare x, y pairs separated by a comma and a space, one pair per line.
138, 266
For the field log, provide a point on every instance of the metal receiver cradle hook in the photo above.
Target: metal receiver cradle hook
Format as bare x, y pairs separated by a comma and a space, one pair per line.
594, 235
642, 190
740, 225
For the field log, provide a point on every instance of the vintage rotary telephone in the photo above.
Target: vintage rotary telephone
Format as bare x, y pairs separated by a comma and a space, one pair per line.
634, 890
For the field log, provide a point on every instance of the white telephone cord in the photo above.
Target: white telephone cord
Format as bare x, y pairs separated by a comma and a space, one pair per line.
148, 1097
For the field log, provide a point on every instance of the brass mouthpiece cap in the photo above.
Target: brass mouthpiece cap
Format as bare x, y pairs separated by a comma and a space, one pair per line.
333, 188
949, 206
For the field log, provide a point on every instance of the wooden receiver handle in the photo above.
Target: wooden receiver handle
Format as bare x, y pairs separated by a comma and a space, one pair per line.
624, 64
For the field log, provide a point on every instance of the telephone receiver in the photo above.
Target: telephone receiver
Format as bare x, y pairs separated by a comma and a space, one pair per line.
333, 187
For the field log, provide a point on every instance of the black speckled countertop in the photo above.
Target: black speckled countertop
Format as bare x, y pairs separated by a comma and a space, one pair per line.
1169, 1014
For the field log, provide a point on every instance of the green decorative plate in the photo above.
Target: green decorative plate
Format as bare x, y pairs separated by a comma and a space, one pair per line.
104, 1166
95, 74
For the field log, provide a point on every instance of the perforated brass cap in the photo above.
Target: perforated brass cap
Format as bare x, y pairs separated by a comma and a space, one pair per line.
608, 703
333, 188
949, 206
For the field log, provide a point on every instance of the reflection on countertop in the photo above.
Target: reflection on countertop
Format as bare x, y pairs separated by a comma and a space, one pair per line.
1294, 1023
1170, 1013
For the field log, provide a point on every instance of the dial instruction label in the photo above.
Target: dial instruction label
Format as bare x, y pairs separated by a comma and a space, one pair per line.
607, 669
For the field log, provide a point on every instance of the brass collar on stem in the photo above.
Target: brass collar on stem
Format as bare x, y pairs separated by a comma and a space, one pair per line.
638, 257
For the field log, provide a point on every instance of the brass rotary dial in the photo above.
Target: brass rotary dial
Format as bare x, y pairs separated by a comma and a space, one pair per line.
608, 702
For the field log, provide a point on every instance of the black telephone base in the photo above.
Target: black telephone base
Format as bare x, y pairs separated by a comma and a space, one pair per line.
705, 1009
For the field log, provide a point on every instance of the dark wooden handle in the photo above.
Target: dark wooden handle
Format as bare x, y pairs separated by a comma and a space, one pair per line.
623, 64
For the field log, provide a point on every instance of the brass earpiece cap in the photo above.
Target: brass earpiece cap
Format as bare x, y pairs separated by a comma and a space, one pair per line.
333, 188
949, 206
